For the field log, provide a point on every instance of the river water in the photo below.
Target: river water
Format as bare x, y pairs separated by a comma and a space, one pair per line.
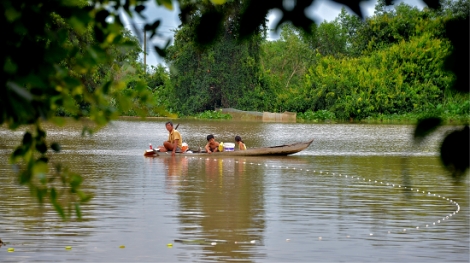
359, 193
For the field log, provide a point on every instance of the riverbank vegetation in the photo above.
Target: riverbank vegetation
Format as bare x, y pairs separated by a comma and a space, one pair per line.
388, 67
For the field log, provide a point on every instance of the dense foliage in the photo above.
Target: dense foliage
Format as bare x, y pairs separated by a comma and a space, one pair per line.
205, 78
392, 63
62, 58
402, 78
214, 114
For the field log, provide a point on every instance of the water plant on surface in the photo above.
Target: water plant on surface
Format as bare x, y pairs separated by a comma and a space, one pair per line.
321, 115
216, 114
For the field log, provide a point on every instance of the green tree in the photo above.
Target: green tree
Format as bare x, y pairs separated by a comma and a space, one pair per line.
284, 63
331, 39
207, 77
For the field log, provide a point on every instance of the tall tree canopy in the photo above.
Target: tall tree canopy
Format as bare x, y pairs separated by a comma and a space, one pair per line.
206, 77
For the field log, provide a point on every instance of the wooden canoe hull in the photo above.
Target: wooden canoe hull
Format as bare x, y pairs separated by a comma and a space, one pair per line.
279, 150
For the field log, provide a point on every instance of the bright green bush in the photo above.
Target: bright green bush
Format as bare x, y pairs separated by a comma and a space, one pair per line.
215, 114
321, 115
403, 78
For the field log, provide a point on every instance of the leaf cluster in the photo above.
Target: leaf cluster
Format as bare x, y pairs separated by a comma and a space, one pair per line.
62, 57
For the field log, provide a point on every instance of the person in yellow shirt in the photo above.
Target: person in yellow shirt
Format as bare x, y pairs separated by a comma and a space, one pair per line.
175, 141
240, 143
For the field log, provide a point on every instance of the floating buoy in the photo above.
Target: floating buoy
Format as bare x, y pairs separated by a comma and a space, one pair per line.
11, 249
122, 246
169, 245
68, 247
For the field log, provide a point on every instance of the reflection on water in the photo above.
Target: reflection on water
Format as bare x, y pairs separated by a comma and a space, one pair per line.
358, 193
221, 206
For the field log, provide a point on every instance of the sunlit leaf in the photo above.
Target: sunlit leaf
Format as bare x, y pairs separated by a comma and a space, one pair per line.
166, 3
141, 86
11, 14
78, 211
59, 121
78, 24
40, 193
40, 167
218, 2
75, 180
53, 194
58, 208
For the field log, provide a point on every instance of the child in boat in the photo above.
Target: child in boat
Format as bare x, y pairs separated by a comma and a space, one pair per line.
212, 145
240, 143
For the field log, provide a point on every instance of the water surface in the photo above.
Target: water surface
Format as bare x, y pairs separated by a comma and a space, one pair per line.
359, 193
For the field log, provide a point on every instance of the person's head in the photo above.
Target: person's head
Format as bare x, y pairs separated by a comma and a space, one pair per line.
169, 126
210, 137
238, 139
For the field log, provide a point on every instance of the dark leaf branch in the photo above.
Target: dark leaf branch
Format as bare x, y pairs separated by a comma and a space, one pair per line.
32, 161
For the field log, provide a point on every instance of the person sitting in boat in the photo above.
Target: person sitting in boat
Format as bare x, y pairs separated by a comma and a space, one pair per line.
212, 145
175, 141
240, 143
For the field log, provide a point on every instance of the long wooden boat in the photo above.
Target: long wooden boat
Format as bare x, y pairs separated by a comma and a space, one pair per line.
278, 150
